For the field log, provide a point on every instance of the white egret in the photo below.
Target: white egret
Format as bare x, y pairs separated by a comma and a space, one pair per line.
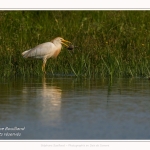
46, 50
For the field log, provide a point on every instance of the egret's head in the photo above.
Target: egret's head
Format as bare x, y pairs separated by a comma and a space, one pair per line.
61, 40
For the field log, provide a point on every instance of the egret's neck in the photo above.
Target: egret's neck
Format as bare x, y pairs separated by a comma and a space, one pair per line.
57, 44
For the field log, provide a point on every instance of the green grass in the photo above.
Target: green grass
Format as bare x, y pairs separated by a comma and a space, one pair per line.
110, 43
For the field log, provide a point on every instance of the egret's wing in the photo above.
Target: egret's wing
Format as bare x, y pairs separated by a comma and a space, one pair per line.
40, 51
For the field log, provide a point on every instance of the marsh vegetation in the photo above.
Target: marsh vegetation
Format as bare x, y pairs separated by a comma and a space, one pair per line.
109, 43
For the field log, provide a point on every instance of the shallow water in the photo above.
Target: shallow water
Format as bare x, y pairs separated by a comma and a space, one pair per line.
69, 108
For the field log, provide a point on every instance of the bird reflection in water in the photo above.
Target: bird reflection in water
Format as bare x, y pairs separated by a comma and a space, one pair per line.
51, 93
44, 101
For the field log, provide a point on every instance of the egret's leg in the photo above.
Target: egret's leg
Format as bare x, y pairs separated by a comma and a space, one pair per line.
43, 66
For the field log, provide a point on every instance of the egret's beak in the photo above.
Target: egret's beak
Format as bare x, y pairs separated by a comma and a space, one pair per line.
65, 43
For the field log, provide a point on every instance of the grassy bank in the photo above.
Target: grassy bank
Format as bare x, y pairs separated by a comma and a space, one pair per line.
110, 43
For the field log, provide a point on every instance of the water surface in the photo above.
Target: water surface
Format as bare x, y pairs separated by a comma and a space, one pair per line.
70, 108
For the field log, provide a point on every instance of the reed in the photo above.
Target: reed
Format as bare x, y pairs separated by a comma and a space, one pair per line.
110, 43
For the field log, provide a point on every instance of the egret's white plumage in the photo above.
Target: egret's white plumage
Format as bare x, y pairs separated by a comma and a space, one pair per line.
46, 50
